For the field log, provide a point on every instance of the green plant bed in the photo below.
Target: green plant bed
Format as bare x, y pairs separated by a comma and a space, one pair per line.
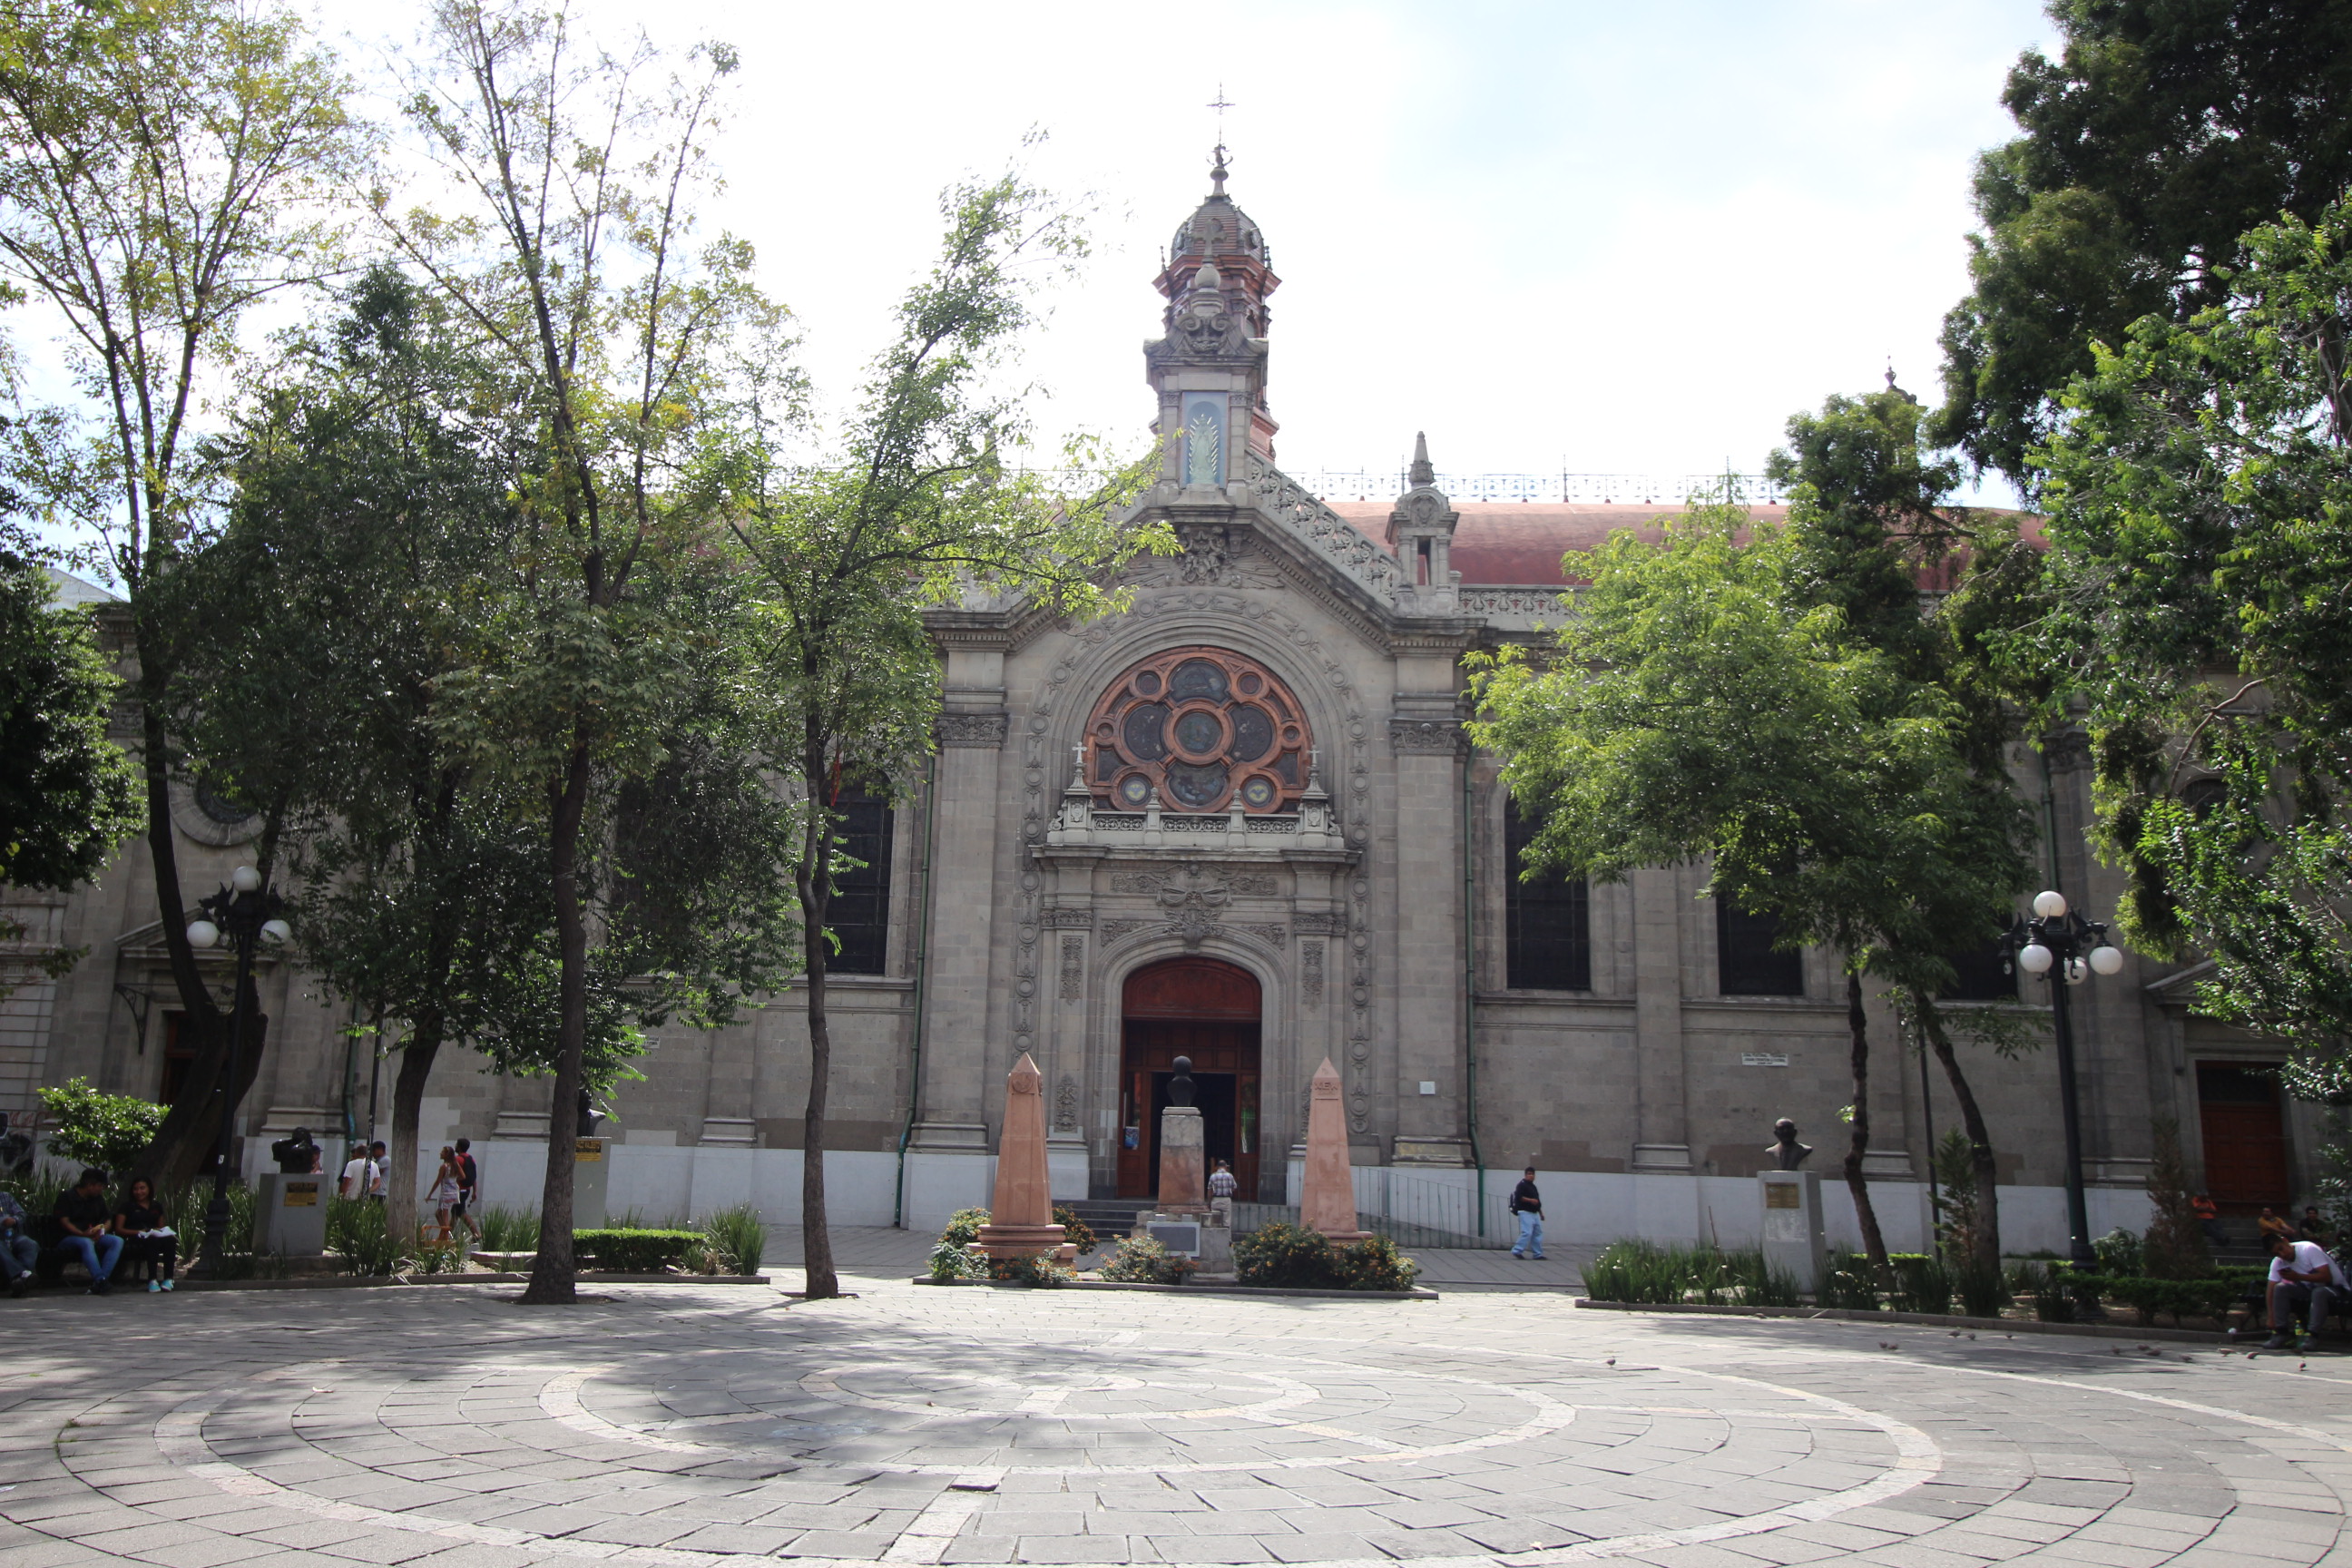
634, 1251
1644, 1273
1293, 1257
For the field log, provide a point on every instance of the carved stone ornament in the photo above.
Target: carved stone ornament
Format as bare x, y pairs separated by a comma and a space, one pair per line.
1272, 935
1074, 953
1331, 923
1068, 919
973, 729
1424, 737
1193, 902
1066, 1105
1114, 929
1311, 959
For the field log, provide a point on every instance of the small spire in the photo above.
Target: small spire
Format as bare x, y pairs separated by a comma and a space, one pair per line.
1217, 170
1424, 471
1890, 373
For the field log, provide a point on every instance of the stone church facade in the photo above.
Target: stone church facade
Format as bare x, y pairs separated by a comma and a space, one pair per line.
1240, 822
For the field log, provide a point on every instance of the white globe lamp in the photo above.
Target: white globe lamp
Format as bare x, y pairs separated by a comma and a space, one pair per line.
245, 880
2035, 959
203, 934
2106, 960
2050, 905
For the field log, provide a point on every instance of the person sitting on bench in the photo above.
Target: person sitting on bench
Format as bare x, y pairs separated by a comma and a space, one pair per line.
2303, 1276
84, 1214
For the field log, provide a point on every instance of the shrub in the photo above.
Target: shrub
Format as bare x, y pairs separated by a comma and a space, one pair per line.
1038, 1269
91, 1128
358, 1238
2174, 1248
1982, 1291
1285, 1255
619, 1251
507, 1229
187, 1209
1075, 1231
2118, 1252
737, 1239
1374, 1264
963, 1227
954, 1260
1922, 1283
1759, 1284
1636, 1271
2053, 1303
1851, 1283
1141, 1261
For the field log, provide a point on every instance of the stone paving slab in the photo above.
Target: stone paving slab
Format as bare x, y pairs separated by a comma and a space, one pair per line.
672, 1427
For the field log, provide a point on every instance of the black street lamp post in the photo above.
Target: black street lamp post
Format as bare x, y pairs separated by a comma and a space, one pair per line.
2060, 945
245, 912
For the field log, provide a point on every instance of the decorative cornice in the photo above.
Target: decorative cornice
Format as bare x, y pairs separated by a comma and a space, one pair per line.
978, 731
1425, 737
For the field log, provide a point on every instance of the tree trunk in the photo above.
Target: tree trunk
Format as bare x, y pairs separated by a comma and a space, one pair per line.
1988, 1248
1858, 1027
190, 1129
813, 882
552, 1272
407, 1110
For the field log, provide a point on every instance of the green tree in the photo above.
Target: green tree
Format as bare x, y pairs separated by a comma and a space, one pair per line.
370, 553
1870, 521
2200, 544
166, 167
2164, 130
1698, 705
574, 258
107, 1131
926, 506
67, 795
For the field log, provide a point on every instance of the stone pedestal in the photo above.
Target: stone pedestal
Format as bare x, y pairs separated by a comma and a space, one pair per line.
591, 1167
1020, 1214
1793, 1242
1184, 1164
289, 1214
1216, 1256
1327, 1197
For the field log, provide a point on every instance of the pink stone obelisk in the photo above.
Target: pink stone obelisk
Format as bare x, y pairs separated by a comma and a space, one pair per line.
1021, 1220
1326, 1201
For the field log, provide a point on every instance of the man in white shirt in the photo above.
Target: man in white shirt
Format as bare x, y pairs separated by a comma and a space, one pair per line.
361, 1176
2303, 1276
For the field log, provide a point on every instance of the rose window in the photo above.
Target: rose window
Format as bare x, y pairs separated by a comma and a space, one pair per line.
1207, 728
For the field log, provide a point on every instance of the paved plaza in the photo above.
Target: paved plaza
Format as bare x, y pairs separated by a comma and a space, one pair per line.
691, 1427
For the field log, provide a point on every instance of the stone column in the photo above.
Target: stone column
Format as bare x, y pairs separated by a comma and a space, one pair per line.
949, 1118
1432, 1124
1661, 1137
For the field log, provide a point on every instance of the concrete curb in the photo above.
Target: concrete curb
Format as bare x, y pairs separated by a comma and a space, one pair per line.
367, 1282
1418, 1293
1980, 1326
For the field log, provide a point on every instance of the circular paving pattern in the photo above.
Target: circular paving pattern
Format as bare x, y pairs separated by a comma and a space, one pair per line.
1017, 1427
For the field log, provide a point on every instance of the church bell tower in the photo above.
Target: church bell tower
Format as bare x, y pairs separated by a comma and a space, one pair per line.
1210, 368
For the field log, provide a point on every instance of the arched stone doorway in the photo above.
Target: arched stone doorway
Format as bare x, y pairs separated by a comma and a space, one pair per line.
1206, 1009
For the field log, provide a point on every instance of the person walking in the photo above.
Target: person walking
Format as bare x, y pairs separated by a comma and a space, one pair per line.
1222, 1182
18, 1250
469, 1190
444, 1193
82, 1214
147, 1238
1527, 1203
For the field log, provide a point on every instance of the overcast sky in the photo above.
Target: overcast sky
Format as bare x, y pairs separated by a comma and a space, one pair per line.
1604, 237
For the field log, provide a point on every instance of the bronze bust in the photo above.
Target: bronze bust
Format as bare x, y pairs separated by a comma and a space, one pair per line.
1785, 1151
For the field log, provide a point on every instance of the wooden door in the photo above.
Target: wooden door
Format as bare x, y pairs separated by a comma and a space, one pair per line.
1206, 1010
2244, 1130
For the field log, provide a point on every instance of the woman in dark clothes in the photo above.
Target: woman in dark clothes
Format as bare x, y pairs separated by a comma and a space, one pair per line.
161, 1254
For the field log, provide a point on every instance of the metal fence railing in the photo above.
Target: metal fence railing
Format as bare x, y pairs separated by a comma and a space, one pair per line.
1412, 1210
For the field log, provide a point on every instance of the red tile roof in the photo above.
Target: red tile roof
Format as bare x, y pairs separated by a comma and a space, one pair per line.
1520, 543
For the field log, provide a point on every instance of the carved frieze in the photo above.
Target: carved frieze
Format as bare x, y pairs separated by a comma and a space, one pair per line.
1073, 954
1333, 922
1425, 737
973, 729
1310, 974
1068, 919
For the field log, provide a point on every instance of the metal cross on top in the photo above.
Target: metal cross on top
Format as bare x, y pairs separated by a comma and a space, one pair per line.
1217, 167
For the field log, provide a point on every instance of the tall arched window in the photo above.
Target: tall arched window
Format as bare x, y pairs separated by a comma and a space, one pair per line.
1205, 728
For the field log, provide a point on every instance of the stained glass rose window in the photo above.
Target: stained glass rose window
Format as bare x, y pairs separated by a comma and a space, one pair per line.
1205, 727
